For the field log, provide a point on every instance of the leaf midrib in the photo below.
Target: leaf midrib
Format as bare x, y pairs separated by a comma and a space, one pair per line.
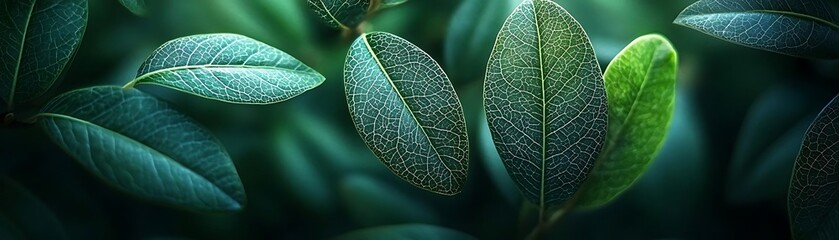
150, 149
20, 56
329, 13
793, 14
402, 99
211, 66
544, 109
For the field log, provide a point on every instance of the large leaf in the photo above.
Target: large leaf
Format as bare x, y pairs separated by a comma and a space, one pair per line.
24, 216
140, 145
344, 14
406, 232
814, 189
792, 27
38, 41
406, 110
641, 87
545, 102
471, 34
229, 68
137, 7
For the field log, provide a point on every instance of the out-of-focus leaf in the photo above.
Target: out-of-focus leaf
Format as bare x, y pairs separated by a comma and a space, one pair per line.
39, 39
344, 14
769, 141
142, 146
407, 112
303, 176
792, 27
641, 88
495, 167
545, 102
227, 67
24, 216
372, 203
814, 188
137, 7
406, 232
471, 33
391, 3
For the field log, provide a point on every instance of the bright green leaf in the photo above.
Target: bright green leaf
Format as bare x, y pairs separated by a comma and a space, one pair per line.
227, 67
641, 87
406, 110
471, 35
24, 216
792, 27
39, 40
406, 232
545, 102
142, 146
362, 193
814, 189
137, 7
344, 14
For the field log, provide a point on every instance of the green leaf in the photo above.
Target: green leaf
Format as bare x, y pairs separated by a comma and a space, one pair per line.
138, 7
545, 102
391, 3
343, 14
142, 146
24, 216
39, 41
495, 167
406, 232
471, 35
814, 189
792, 27
362, 193
407, 112
641, 87
229, 68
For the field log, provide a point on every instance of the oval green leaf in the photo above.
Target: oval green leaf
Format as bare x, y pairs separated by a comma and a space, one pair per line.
142, 146
471, 35
641, 88
39, 40
792, 27
407, 112
343, 14
813, 199
406, 232
138, 7
25, 216
545, 102
229, 68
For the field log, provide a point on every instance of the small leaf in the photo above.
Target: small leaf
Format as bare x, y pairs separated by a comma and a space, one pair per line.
406, 232
344, 14
138, 7
814, 189
471, 35
24, 216
227, 67
39, 41
641, 87
407, 112
792, 27
140, 145
545, 102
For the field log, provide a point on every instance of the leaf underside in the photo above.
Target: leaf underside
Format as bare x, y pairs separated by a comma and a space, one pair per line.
142, 146
545, 102
792, 27
406, 110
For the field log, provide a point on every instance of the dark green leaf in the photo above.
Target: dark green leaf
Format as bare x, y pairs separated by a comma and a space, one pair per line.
792, 27
391, 3
137, 7
471, 35
39, 40
545, 102
814, 188
406, 110
362, 193
406, 232
140, 145
24, 216
641, 88
344, 14
229, 68
495, 167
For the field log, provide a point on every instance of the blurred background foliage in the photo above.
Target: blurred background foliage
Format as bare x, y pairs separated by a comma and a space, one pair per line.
723, 172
